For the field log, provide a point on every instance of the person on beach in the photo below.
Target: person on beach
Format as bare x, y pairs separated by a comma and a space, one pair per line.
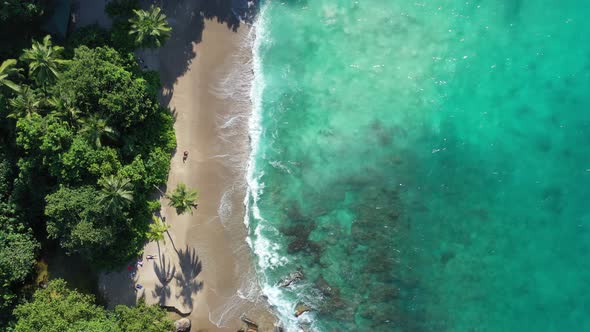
140, 263
148, 257
184, 156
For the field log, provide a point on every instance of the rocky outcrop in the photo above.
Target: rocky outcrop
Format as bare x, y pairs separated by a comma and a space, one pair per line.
301, 308
251, 326
182, 325
292, 278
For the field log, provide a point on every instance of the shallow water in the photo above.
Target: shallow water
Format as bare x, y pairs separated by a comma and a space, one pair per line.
425, 164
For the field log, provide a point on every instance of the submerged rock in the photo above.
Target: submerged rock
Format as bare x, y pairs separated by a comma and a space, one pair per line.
182, 325
301, 308
293, 277
324, 286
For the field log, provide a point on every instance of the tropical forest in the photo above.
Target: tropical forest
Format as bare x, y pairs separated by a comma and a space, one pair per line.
84, 147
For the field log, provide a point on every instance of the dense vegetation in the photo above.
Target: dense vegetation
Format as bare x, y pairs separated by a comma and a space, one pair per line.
57, 309
83, 143
19, 21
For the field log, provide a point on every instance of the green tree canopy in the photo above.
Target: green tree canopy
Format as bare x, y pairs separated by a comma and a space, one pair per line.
157, 229
183, 199
59, 309
116, 193
17, 254
75, 218
85, 163
45, 141
8, 69
142, 318
26, 102
64, 108
150, 27
96, 128
17, 247
101, 81
44, 60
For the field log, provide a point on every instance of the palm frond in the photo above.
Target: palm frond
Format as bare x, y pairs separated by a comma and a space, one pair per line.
8, 69
183, 199
116, 193
150, 27
44, 60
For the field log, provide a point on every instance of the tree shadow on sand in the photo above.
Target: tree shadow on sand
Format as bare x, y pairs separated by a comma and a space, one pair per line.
187, 19
165, 272
186, 279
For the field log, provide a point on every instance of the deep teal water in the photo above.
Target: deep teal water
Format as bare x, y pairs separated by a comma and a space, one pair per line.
425, 164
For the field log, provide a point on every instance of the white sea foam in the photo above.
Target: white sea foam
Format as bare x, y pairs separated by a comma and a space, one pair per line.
267, 251
242, 87
234, 86
224, 211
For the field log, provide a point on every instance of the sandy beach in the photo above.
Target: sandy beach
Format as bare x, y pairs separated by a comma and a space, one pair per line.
203, 271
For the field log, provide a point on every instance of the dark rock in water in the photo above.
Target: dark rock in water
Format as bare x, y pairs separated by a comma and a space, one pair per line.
294, 213
382, 292
301, 308
300, 230
325, 287
446, 256
304, 327
299, 244
182, 325
251, 326
293, 277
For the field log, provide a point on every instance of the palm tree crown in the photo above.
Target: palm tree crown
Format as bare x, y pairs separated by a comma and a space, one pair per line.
150, 27
183, 199
116, 193
64, 108
157, 230
44, 61
24, 104
95, 128
7, 69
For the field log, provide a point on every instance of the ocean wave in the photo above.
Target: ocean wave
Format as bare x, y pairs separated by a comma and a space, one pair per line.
267, 252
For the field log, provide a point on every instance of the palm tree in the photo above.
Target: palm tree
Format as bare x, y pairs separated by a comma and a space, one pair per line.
183, 199
157, 230
116, 193
24, 104
7, 69
44, 61
64, 108
150, 27
95, 128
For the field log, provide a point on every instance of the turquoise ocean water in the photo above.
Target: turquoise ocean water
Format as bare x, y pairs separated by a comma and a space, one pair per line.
426, 164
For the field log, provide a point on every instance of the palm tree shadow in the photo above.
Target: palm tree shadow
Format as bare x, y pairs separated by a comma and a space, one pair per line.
186, 279
172, 242
165, 271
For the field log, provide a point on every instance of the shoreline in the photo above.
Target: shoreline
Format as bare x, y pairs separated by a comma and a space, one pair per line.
205, 270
